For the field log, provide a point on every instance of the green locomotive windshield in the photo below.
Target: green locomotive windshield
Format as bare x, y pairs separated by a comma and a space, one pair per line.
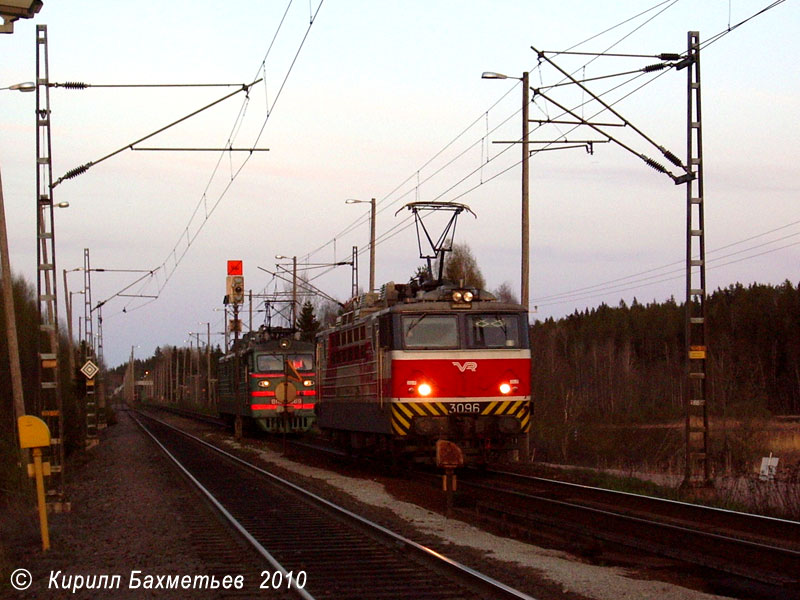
273, 363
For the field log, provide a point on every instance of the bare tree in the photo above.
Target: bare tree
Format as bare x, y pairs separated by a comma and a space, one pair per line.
327, 313
461, 267
504, 293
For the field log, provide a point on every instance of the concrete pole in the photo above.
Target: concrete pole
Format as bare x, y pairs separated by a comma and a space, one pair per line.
526, 262
11, 318
227, 334
131, 391
71, 349
526, 269
372, 246
294, 292
237, 422
208, 365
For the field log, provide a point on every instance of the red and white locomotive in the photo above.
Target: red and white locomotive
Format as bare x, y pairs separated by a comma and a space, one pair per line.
413, 365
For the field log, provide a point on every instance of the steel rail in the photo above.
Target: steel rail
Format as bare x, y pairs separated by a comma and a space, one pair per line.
717, 560
665, 501
187, 413
475, 577
642, 520
224, 512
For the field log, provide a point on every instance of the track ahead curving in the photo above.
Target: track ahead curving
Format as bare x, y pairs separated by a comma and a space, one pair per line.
342, 560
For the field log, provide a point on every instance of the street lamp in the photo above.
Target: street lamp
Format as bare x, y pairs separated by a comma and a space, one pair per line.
27, 86
294, 285
525, 223
493, 75
525, 275
371, 238
8, 292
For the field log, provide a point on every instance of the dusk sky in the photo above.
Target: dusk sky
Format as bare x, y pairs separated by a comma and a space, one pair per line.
385, 100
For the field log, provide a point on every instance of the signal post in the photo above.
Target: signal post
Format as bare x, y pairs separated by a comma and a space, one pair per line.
235, 295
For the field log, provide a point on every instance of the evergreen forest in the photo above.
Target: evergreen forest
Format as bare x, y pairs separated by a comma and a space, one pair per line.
600, 374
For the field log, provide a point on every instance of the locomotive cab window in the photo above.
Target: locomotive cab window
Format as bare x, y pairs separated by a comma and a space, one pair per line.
301, 362
494, 331
273, 363
267, 363
430, 331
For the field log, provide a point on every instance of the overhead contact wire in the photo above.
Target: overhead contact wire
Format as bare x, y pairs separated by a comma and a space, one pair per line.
235, 174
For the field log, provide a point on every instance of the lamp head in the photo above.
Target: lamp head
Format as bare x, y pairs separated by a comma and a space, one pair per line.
493, 75
27, 86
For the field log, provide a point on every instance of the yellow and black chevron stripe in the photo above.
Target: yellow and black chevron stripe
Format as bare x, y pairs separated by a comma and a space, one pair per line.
523, 413
403, 413
512, 408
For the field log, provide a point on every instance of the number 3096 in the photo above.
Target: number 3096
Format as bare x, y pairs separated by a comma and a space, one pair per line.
464, 407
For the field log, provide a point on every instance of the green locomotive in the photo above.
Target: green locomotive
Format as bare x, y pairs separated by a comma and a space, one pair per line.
269, 378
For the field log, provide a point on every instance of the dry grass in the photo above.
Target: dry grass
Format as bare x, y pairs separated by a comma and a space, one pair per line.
655, 453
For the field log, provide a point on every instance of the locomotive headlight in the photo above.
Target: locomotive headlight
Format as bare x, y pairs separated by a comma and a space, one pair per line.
308, 382
457, 296
263, 383
468, 296
424, 389
505, 388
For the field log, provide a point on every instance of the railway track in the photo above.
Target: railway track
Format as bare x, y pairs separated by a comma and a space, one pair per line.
747, 526
340, 554
751, 555
759, 549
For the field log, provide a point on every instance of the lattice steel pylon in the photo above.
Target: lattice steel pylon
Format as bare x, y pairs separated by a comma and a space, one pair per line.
49, 401
698, 466
90, 401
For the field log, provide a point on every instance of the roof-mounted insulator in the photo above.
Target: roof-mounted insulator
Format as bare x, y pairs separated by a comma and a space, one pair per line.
669, 56
655, 67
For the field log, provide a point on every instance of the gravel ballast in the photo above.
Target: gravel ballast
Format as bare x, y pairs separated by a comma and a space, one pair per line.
132, 510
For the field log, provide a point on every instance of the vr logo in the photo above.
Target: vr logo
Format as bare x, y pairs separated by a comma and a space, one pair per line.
467, 366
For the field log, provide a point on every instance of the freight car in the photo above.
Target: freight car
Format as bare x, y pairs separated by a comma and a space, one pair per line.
269, 379
413, 365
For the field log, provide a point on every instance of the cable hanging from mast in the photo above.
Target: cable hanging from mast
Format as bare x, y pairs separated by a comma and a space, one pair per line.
234, 131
